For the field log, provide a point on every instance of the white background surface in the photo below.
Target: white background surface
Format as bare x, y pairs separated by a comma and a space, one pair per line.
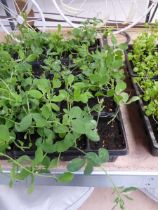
114, 9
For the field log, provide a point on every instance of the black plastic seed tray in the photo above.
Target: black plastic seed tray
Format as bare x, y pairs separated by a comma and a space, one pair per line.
129, 64
149, 123
118, 137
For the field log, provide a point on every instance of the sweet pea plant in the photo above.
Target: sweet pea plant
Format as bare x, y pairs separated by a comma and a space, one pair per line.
46, 82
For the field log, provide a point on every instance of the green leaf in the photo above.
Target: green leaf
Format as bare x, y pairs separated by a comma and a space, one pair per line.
43, 85
62, 96
22, 175
31, 58
32, 185
53, 163
133, 99
89, 168
45, 111
76, 164
60, 146
25, 123
56, 83
61, 129
129, 189
124, 96
123, 46
93, 135
40, 121
103, 155
38, 156
46, 162
110, 92
70, 79
21, 54
113, 39
69, 140
4, 134
24, 159
35, 94
12, 175
55, 107
121, 86
93, 157
78, 126
65, 177
75, 112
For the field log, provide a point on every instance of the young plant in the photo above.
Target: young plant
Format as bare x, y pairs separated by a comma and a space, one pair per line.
45, 105
144, 58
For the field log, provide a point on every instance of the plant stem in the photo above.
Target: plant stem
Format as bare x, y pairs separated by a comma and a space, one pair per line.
26, 169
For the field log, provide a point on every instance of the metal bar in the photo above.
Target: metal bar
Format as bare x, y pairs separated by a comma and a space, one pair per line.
148, 15
154, 12
4, 2
97, 179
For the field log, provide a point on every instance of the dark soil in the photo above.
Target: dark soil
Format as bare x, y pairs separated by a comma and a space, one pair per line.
109, 105
111, 136
95, 46
37, 68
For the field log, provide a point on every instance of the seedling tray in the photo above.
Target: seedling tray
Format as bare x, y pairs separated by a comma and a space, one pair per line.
129, 64
113, 138
151, 127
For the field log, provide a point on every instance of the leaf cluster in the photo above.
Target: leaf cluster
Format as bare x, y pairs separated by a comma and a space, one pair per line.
46, 82
144, 57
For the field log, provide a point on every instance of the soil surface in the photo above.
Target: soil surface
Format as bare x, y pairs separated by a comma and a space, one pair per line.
109, 105
111, 136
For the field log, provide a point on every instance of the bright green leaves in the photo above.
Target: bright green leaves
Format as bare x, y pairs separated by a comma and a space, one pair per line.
59, 128
76, 164
45, 97
43, 85
65, 144
53, 163
46, 111
31, 58
70, 79
35, 94
103, 155
39, 156
25, 123
83, 123
89, 161
89, 168
92, 160
65, 177
81, 92
120, 96
56, 83
62, 96
133, 99
39, 120
120, 87
4, 137
4, 133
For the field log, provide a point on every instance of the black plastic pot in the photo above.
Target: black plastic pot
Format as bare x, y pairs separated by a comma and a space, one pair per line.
97, 45
129, 64
150, 126
117, 137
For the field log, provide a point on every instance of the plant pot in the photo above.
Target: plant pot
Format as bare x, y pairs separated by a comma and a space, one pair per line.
115, 142
129, 64
149, 123
110, 107
97, 45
